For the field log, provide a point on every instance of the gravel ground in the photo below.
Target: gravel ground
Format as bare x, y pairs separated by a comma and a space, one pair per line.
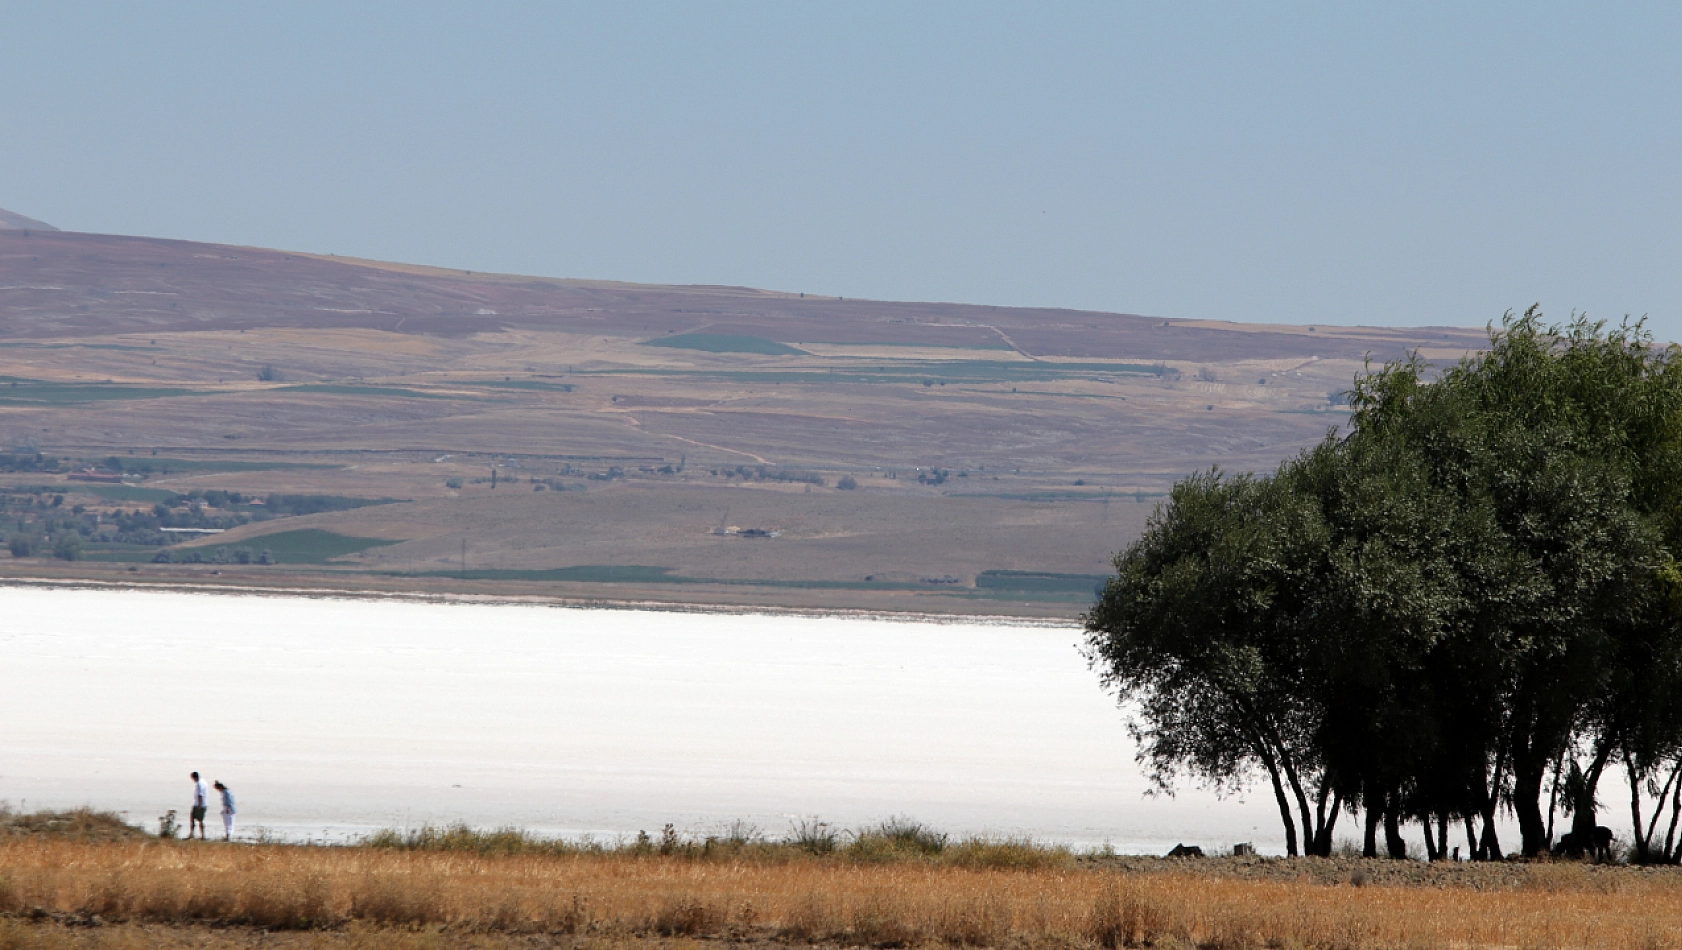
1483, 875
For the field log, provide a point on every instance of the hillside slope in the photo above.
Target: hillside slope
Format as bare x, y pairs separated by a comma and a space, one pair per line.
84, 279
10, 221
693, 443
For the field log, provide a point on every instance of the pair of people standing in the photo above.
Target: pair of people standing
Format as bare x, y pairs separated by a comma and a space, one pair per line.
201, 805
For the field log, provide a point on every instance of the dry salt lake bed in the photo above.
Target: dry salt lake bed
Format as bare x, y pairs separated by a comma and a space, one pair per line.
333, 717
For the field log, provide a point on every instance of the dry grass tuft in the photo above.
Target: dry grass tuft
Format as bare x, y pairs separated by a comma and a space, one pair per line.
680, 916
81, 823
1124, 918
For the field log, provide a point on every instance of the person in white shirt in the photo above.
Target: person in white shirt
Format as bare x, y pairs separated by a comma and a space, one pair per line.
201, 804
227, 811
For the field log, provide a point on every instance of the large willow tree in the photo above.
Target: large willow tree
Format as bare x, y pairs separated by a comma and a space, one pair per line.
1471, 590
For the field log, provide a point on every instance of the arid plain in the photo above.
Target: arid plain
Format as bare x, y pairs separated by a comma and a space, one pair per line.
882, 890
705, 445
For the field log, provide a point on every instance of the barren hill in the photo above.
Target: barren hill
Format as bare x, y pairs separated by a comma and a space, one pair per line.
10, 221
98, 284
696, 443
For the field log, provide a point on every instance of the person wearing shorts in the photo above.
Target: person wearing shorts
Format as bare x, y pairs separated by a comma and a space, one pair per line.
201, 804
228, 811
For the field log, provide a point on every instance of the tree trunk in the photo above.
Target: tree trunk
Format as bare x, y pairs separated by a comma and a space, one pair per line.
1393, 842
1658, 812
1320, 845
1323, 838
1442, 836
1528, 770
1320, 809
1637, 831
1489, 845
1431, 853
1284, 807
1553, 797
1375, 814
1301, 796
1274, 756
1583, 817
1675, 813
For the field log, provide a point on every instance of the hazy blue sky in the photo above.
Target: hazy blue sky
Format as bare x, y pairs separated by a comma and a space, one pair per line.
1358, 162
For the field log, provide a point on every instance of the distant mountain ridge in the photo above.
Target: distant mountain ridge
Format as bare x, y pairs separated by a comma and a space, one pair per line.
71, 284
12, 221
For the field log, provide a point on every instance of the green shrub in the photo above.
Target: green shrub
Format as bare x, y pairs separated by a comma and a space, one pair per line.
815, 837
897, 840
460, 837
894, 839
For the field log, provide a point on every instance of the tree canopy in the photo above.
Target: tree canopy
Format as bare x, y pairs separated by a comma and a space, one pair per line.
1468, 601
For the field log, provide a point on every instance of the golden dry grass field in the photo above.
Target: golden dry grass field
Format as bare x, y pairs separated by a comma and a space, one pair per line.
62, 893
896, 456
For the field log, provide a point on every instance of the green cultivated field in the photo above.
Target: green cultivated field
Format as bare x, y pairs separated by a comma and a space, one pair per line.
726, 343
1039, 582
112, 492
147, 464
912, 372
336, 389
532, 385
303, 545
1020, 585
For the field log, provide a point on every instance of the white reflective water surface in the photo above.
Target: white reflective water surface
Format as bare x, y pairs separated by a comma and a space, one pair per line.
332, 717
